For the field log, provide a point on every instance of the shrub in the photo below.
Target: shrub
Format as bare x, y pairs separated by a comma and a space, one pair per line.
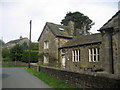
16, 52
6, 59
5, 53
33, 56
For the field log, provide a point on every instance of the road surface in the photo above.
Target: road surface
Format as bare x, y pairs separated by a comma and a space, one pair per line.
19, 78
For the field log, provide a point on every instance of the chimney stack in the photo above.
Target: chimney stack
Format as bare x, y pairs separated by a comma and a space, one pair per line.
20, 37
71, 27
85, 30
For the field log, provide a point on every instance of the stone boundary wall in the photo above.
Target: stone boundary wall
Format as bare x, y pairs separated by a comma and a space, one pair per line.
14, 63
35, 67
80, 80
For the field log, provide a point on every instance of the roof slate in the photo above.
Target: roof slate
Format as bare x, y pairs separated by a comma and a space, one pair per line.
57, 32
114, 23
15, 41
83, 39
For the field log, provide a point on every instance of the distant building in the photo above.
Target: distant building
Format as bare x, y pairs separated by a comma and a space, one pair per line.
17, 41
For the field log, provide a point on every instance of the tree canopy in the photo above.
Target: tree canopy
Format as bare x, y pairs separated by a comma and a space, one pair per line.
2, 42
79, 19
16, 52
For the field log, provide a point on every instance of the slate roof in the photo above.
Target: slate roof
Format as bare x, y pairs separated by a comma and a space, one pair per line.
83, 40
55, 29
116, 15
15, 41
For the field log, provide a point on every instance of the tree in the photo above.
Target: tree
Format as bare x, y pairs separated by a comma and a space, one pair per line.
2, 43
5, 52
25, 46
79, 19
34, 46
33, 57
16, 52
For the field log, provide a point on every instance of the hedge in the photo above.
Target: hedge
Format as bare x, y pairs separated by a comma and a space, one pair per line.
33, 56
6, 59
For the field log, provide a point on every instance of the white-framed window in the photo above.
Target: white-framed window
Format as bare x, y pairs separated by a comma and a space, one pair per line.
46, 44
46, 59
93, 54
76, 55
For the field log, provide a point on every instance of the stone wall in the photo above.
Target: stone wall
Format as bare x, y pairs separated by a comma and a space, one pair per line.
35, 67
83, 64
82, 80
52, 51
14, 63
115, 24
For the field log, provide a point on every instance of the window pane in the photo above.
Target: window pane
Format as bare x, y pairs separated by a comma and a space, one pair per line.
90, 55
98, 54
94, 50
46, 44
94, 58
78, 55
74, 55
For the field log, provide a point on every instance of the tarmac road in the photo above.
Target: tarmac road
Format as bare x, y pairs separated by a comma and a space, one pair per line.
19, 78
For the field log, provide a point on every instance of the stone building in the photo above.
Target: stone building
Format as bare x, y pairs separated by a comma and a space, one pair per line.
52, 37
96, 52
20, 41
75, 50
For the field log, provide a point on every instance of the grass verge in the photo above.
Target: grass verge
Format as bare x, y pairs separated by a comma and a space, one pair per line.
50, 80
13, 65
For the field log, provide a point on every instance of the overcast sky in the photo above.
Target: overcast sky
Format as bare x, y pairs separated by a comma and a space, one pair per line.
16, 14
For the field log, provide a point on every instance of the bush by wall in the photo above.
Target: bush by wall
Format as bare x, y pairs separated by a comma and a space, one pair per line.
33, 56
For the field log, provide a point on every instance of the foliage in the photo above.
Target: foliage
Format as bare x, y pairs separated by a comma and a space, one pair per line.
33, 56
13, 65
40, 55
53, 61
6, 59
16, 52
25, 46
2, 43
34, 46
79, 19
5, 52
50, 80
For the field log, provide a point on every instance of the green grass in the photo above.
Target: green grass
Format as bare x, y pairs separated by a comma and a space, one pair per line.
50, 80
13, 65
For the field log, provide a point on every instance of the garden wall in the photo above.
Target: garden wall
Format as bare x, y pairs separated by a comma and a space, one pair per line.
14, 63
81, 80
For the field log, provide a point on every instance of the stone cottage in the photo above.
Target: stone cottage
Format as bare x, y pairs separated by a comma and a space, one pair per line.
52, 37
96, 52
75, 50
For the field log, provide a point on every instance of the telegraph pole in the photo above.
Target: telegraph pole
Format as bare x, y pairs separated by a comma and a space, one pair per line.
30, 44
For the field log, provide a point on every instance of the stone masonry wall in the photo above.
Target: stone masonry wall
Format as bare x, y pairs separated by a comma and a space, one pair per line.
83, 64
82, 80
52, 51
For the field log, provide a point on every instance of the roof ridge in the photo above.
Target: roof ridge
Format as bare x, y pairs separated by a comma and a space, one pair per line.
17, 40
111, 18
56, 24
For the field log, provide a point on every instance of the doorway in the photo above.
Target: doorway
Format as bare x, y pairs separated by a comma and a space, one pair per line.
63, 61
